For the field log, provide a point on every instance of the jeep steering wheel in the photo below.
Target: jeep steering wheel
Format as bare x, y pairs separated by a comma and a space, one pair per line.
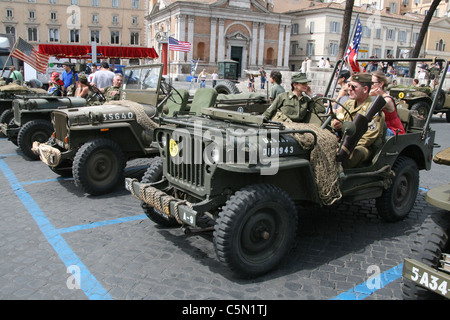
167, 89
98, 93
331, 111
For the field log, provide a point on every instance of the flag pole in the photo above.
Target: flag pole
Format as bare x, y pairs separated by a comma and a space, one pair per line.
350, 39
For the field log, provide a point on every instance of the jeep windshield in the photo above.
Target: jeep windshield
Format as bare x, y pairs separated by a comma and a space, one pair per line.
141, 83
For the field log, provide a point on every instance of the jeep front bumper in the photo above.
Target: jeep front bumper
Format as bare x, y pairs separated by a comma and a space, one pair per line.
428, 277
163, 204
49, 155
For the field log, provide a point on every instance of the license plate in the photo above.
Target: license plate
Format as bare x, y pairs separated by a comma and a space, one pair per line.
427, 277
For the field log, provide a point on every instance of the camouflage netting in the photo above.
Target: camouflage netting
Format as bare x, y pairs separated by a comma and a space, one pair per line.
141, 117
323, 157
49, 155
16, 88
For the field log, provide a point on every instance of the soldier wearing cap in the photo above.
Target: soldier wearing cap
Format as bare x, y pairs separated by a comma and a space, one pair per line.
359, 90
297, 104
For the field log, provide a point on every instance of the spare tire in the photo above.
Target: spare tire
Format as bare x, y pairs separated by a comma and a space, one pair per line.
440, 98
226, 87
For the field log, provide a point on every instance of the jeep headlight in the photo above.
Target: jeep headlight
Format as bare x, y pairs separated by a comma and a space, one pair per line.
162, 139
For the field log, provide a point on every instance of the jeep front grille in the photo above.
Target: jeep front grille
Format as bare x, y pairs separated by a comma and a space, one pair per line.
60, 126
189, 171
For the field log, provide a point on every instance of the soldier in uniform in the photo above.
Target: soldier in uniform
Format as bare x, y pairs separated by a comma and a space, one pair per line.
297, 104
360, 101
113, 92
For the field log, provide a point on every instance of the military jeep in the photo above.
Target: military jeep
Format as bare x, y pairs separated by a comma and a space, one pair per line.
419, 99
249, 175
426, 273
13, 91
94, 143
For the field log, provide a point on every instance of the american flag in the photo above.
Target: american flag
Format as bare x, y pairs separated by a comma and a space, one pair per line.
352, 51
176, 45
24, 51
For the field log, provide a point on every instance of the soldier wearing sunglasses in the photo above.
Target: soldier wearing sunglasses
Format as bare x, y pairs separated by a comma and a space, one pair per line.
359, 91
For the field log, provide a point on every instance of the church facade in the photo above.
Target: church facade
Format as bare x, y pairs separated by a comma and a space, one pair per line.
246, 31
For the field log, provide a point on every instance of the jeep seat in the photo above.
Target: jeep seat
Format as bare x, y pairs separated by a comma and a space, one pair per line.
203, 98
404, 114
177, 102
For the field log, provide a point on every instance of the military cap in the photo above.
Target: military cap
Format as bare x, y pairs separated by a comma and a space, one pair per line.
361, 77
82, 78
300, 78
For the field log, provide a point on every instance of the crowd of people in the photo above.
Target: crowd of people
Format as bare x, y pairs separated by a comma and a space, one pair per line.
103, 79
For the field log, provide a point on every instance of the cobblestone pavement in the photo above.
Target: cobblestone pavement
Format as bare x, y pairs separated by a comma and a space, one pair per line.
51, 233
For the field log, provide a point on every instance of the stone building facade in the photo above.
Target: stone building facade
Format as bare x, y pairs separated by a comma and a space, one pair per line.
247, 31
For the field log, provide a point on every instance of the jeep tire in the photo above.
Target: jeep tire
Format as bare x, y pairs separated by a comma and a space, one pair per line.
154, 173
34, 130
256, 228
98, 166
6, 116
396, 202
432, 240
226, 87
422, 108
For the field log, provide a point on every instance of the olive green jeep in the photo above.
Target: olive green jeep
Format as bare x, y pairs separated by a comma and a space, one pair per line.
420, 99
94, 143
426, 273
247, 176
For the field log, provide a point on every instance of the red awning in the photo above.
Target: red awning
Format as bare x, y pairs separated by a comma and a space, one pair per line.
84, 52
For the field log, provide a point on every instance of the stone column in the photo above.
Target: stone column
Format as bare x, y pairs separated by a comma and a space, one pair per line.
280, 45
212, 41
190, 37
287, 46
221, 44
253, 44
262, 31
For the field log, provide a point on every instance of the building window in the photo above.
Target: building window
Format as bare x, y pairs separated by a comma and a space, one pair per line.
294, 29
115, 20
53, 35
32, 34
94, 3
378, 34
311, 27
310, 51
134, 38
390, 34
52, 1
94, 18
393, 7
402, 36
74, 2
365, 32
115, 37
53, 16
31, 15
95, 36
32, 1
415, 37
335, 27
333, 49
10, 30
440, 45
134, 4
115, 3
75, 36
9, 14
134, 20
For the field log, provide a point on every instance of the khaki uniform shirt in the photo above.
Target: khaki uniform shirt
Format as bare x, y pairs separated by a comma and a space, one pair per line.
297, 109
112, 93
375, 127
